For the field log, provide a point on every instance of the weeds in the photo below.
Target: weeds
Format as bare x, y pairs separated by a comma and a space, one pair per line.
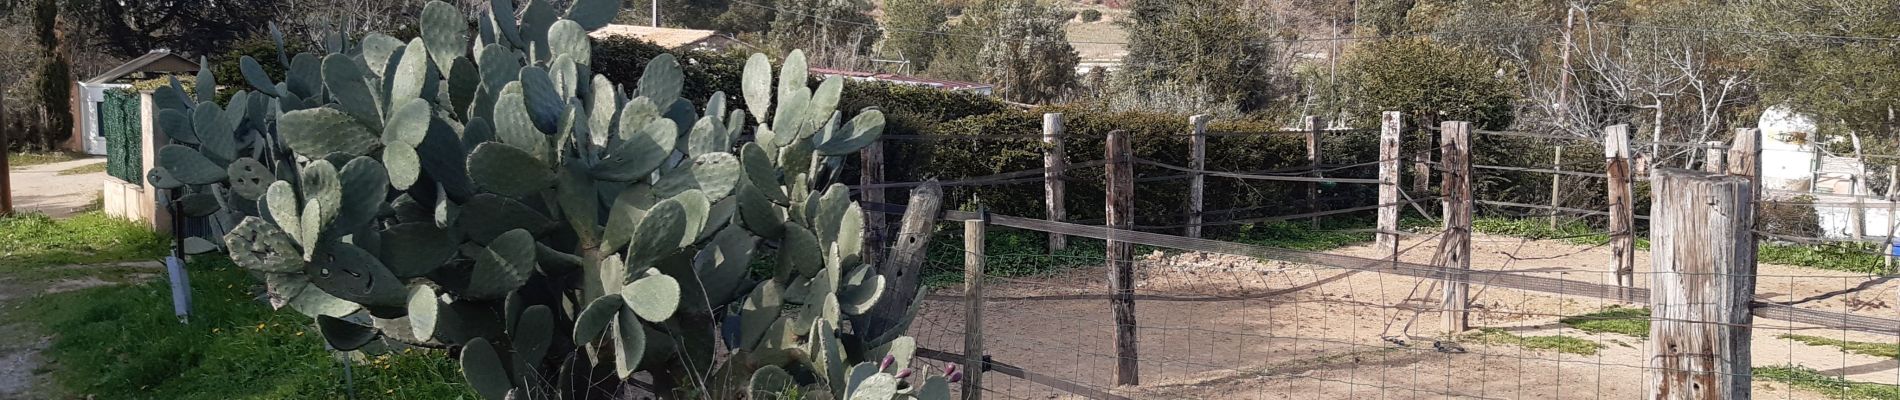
1614, 319
1886, 350
1561, 344
1831, 386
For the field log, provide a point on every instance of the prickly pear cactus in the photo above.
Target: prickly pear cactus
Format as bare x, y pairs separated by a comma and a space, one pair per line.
486, 191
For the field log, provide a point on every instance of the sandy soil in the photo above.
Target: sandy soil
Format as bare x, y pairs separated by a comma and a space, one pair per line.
1215, 326
41, 188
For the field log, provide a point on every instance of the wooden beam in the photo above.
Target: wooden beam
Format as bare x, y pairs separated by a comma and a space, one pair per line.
1702, 280
973, 308
1053, 163
1197, 160
1556, 184
1121, 256
1455, 247
903, 266
1391, 126
871, 172
1312, 163
1616, 160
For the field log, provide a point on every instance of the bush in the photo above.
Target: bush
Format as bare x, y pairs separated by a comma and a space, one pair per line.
622, 60
1091, 15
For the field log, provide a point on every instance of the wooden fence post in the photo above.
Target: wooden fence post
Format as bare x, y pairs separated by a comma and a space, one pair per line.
973, 307
1121, 271
1744, 157
1556, 185
1053, 164
1893, 212
6, 147
1703, 261
1456, 248
1616, 160
1716, 159
871, 172
1197, 160
1312, 165
1391, 125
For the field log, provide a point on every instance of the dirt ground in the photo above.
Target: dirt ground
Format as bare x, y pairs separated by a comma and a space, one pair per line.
1223, 327
41, 188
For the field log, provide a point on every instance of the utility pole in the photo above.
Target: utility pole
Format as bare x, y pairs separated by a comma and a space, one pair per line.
656, 12
1563, 83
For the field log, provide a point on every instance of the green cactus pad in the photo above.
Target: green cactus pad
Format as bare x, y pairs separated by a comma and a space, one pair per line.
189, 166
593, 14
658, 234
484, 370
254, 74
934, 388
771, 382
411, 73
788, 121
416, 248
424, 311
532, 336
404, 166
723, 264
579, 201
824, 101
800, 250
365, 189
661, 81
716, 174
543, 99
377, 49
503, 266
593, 321
654, 298
305, 78
281, 199
708, 136
162, 178
317, 132
901, 351
465, 80
698, 209
177, 126
758, 214
350, 273
569, 38
260, 246
249, 178
859, 299
198, 204
757, 314
445, 32
827, 353
347, 83
630, 340
507, 170
408, 124
757, 85
638, 155
622, 221
860, 132
344, 335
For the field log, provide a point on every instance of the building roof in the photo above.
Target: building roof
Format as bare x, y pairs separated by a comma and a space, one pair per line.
670, 38
902, 79
158, 61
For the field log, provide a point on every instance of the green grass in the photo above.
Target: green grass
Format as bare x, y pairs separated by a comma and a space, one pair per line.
1537, 228
1887, 350
123, 342
1561, 344
35, 240
1299, 235
1851, 257
1614, 319
93, 168
1831, 386
27, 159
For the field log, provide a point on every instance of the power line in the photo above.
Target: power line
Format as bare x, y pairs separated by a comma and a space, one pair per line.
1283, 41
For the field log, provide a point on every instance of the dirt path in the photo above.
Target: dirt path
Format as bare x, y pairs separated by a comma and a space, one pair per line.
1231, 327
21, 372
41, 188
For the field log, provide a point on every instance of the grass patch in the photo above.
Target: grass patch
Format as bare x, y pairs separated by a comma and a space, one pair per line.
27, 159
1614, 319
1576, 232
123, 342
1851, 257
1887, 350
35, 240
94, 168
1561, 344
1832, 386
1333, 233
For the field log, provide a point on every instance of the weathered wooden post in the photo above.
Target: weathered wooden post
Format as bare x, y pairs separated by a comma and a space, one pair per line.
1616, 161
1893, 212
1197, 159
1312, 164
1121, 256
1556, 185
6, 146
871, 173
973, 307
1391, 125
1715, 158
1744, 157
1053, 164
1703, 261
1456, 243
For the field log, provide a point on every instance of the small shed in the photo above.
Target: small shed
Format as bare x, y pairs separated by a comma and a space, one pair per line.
671, 38
97, 112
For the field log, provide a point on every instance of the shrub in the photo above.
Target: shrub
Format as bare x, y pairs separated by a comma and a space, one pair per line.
1091, 15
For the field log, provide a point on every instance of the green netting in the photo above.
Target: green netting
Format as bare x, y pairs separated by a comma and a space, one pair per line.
119, 123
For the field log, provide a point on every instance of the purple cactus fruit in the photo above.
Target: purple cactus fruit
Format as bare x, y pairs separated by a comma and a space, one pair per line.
949, 369
905, 373
956, 376
886, 364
